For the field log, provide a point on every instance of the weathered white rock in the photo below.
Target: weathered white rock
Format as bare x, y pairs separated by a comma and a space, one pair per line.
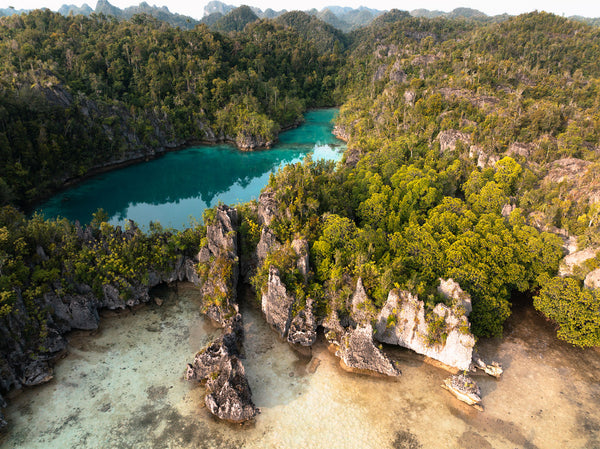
266, 245
464, 388
592, 280
267, 206
358, 353
402, 322
493, 369
569, 263
450, 289
303, 328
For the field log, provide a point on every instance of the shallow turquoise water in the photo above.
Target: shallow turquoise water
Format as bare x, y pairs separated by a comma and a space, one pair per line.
181, 184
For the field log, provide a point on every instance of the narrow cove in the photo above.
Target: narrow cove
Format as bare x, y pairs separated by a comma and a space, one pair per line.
123, 387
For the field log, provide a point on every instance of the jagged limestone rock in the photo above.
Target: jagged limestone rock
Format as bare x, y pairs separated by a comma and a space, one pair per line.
450, 289
277, 303
267, 244
303, 328
219, 265
493, 369
402, 321
267, 206
228, 395
300, 247
358, 353
449, 139
361, 305
465, 389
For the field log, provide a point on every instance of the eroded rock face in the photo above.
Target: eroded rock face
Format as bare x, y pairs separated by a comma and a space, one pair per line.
362, 307
464, 388
450, 138
402, 321
592, 280
358, 353
267, 207
569, 264
277, 304
247, 141
303, 327
228, 395
219, 265
450, 289
267, 244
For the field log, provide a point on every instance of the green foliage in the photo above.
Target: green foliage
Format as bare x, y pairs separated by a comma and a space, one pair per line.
576, 310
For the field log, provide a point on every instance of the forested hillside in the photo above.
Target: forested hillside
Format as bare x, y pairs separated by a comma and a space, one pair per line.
78, 92
472, 154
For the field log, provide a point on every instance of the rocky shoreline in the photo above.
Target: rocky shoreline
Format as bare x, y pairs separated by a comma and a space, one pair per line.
355, 335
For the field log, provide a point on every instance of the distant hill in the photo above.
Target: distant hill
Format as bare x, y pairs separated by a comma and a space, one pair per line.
84, 10
105, 7
311, 28
459, 13
235, 20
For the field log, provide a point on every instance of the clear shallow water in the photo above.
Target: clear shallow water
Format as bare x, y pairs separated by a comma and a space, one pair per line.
181, 184
123, 387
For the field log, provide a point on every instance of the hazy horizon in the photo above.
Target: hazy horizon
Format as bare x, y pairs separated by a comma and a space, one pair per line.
196, 10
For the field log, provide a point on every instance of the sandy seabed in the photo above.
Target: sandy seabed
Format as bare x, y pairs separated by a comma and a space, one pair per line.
123, 387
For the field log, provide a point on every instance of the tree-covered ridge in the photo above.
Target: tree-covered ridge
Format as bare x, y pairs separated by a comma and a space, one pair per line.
513, 107
77, 92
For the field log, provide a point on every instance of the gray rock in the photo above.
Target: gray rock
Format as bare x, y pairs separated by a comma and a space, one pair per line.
220, 262
267, 207
77, 312
358, 353
303, 327
36, 372
450, 289
362, 307
449, 138
266, 245
300, 247
277, 304
228, 395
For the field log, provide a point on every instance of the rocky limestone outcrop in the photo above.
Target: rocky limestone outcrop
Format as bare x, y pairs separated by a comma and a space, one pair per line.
592, 280
280, 306
580, 179
519, 149
574, 261
277, 303
219, 267
358, 353
449, 139
465, 389
404, 321
493, 369
484, 159
450, 289
361, 306
248, 141
352, 156
341, 132
268, 243
303, 327
267, 207
218, 366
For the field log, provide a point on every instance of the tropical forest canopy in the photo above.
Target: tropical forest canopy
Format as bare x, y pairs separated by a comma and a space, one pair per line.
472, 148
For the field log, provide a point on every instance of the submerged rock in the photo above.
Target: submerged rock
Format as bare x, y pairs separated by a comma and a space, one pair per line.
228, 395
443, 334
465, 389
358, 353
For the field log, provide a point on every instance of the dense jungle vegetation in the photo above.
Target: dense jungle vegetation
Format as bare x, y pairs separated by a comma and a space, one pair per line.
472, 151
